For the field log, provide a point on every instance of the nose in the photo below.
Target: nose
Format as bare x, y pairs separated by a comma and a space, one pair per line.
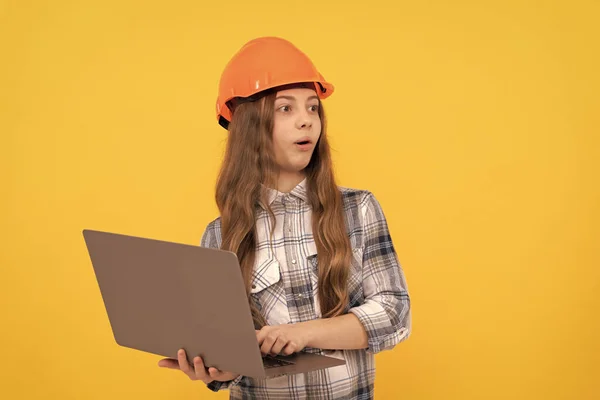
303, 121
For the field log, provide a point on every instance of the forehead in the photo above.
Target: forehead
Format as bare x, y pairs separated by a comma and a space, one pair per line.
298, 93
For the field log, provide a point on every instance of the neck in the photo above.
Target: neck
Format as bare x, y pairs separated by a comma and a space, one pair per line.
289, 180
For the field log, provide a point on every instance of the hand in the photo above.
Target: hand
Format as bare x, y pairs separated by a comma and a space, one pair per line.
198, 372
282, 339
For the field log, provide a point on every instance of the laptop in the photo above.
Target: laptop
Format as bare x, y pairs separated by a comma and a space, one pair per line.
161, 296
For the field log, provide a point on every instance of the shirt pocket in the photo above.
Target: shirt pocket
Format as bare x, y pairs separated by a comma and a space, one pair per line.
355, 278
268, 292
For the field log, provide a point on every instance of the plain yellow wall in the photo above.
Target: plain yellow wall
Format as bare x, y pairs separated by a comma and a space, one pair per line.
475, 123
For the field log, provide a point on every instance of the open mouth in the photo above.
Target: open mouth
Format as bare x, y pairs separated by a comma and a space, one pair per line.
303, 141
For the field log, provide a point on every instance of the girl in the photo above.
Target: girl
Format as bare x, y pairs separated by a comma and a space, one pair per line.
318, 261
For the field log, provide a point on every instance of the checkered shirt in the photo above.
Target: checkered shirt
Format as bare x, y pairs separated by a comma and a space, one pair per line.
284, 286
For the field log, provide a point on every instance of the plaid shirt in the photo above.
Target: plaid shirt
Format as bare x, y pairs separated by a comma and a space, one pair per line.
285, 290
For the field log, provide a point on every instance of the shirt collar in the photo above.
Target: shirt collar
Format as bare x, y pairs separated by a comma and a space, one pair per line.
299, 191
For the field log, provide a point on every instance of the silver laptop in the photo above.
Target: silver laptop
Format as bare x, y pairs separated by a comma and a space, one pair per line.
162, 296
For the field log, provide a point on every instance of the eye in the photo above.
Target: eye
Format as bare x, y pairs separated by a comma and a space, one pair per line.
314, 108
284, 108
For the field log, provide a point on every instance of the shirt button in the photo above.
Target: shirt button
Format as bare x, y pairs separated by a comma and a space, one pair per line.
293, 261
300, 295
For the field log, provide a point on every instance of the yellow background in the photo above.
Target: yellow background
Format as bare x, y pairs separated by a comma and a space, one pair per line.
474, 123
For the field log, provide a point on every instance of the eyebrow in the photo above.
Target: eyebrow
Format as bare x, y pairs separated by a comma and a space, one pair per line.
292, 98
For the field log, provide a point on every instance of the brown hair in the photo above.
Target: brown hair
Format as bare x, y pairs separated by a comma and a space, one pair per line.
249, 164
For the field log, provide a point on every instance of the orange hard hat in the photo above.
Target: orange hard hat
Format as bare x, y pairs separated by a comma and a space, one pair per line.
261, 64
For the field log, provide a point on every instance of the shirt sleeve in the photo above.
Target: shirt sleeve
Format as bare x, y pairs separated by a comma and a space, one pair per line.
385, 314
209, 239
215, 386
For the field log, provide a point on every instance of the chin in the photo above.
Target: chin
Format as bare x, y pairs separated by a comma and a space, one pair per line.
298, 165
301, 167
296, 168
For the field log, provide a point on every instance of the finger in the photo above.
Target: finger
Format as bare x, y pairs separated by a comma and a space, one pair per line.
289, 349
279, 344
169, 363
200, 370
262, 334
214, 373
267, 344
219, 375
184, 365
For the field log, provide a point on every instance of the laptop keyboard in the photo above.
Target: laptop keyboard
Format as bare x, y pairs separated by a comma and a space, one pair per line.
272, 362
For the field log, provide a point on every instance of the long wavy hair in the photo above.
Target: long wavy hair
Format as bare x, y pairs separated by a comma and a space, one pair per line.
249, 166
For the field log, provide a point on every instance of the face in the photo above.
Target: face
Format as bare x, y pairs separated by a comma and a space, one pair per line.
297, 128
